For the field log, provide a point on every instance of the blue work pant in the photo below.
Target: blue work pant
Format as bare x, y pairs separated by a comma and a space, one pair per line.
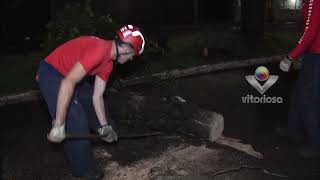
304, 113
81, 117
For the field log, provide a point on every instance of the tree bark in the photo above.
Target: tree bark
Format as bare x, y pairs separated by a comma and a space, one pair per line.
179, 73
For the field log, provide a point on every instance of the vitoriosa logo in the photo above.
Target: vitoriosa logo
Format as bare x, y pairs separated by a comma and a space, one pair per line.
261, 81
262, 75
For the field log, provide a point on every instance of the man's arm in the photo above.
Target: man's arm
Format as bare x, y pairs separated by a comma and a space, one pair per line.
66, 91
109, 135
98, 102
311, 29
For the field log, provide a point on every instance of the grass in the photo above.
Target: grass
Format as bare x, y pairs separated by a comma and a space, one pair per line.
182, 51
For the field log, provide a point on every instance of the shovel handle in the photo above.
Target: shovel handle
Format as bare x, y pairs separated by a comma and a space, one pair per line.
96, 136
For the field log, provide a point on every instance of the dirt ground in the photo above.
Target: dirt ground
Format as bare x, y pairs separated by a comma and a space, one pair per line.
26, 154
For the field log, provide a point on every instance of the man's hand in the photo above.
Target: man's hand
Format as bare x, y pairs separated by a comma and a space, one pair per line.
285, 64
109, 135
57, 133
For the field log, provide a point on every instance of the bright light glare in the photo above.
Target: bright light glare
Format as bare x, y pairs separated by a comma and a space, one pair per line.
293, 4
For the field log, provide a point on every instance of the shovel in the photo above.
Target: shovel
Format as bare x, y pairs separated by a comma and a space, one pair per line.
97, 136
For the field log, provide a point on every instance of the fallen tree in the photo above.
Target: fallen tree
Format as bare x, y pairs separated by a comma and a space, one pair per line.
173, 74
173, 115
209, 68
19, 98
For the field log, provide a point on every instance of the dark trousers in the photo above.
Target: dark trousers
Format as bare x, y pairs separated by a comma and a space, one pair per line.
304, 114
80, 119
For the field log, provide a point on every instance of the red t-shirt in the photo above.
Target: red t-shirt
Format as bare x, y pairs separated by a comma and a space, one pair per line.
91, 52
310, 40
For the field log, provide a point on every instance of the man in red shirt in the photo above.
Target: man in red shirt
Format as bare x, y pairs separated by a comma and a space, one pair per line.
304, 109
74, 105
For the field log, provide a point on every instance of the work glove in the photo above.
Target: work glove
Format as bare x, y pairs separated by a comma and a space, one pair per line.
57, 133
108, 134
285, 64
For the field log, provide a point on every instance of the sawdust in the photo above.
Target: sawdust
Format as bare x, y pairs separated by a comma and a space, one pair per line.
175, 161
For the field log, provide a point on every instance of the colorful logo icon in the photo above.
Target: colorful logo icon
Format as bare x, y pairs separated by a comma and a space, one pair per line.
262, 74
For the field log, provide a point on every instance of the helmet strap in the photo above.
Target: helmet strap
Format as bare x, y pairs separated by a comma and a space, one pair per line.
117, 48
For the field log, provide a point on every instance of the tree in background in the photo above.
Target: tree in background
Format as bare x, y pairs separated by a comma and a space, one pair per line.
252, 20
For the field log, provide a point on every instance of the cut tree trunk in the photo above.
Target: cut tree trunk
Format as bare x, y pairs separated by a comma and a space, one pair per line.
180, 73
172, 115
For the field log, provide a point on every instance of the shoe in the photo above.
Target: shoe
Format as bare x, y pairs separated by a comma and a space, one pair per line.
96, 174
309, 153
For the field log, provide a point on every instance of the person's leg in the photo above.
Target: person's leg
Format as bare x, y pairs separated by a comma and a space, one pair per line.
295, 122
84, 93
311, 102
78, 152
